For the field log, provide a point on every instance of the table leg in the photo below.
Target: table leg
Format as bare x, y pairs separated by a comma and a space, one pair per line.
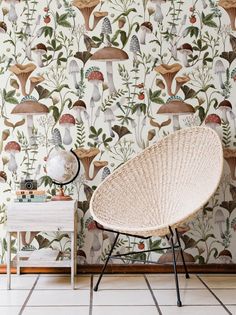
8, 260
72, 260
75, 242
18, 250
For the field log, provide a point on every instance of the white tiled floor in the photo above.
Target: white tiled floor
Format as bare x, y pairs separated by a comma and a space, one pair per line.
118, 295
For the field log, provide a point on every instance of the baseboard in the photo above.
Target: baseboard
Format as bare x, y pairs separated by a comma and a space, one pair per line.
136, 268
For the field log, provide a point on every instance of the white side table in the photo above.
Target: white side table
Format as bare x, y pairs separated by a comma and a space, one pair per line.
49, 216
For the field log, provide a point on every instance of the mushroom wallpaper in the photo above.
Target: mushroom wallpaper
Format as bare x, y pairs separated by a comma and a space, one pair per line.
107, 78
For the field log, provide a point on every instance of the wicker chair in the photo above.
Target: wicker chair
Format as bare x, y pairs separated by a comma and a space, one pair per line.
161, 188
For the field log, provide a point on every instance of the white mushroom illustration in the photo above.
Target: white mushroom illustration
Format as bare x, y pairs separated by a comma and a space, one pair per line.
12, 148
109, 118
67, 121
220, 219
233, 118
110, 55
73, 71
219, 70
12, 15
158, 16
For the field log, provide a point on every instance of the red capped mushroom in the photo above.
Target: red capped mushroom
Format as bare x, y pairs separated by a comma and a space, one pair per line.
12, 148
213, 121
96, 77
67, 121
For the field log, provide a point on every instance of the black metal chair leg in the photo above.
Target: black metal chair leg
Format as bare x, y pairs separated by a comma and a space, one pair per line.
182, 255
179, 303
106, 262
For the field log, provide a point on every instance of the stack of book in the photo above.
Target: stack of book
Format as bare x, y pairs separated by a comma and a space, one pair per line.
30, 196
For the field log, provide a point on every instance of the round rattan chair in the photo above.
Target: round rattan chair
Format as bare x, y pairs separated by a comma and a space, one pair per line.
162, 187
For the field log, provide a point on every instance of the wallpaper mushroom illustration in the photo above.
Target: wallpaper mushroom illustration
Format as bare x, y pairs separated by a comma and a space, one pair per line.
107, 79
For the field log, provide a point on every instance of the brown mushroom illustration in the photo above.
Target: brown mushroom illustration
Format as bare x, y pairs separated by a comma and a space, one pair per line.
98, 165
160, 84
168, 72
180, 81
225, 106
22, 72
34, 81
86, 157
79, 107
5, 135
86, 7
110, 55
98, 16
29, 107
40, 50
121, 22
3, 177
230, 158
151, 134
3, 27
213, 121
230, 7
67, 121
168, 257
145, 28
175, 107
186, 50
225, 257
12, 148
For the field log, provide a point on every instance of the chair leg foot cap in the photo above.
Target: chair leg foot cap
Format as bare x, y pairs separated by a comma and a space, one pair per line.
95, 289
179, 303
187, 276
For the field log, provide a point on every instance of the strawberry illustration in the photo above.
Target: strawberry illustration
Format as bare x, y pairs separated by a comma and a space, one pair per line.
47, 19
141, 245
192, 19
141, 96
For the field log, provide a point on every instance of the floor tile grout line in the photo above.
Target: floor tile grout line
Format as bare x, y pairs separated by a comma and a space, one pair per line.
91, 296
29, 295
152, 294
215, 296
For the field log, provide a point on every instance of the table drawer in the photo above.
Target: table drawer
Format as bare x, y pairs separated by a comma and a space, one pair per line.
41, 217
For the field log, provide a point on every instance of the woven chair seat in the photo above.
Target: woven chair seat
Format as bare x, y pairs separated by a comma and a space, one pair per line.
165, 185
